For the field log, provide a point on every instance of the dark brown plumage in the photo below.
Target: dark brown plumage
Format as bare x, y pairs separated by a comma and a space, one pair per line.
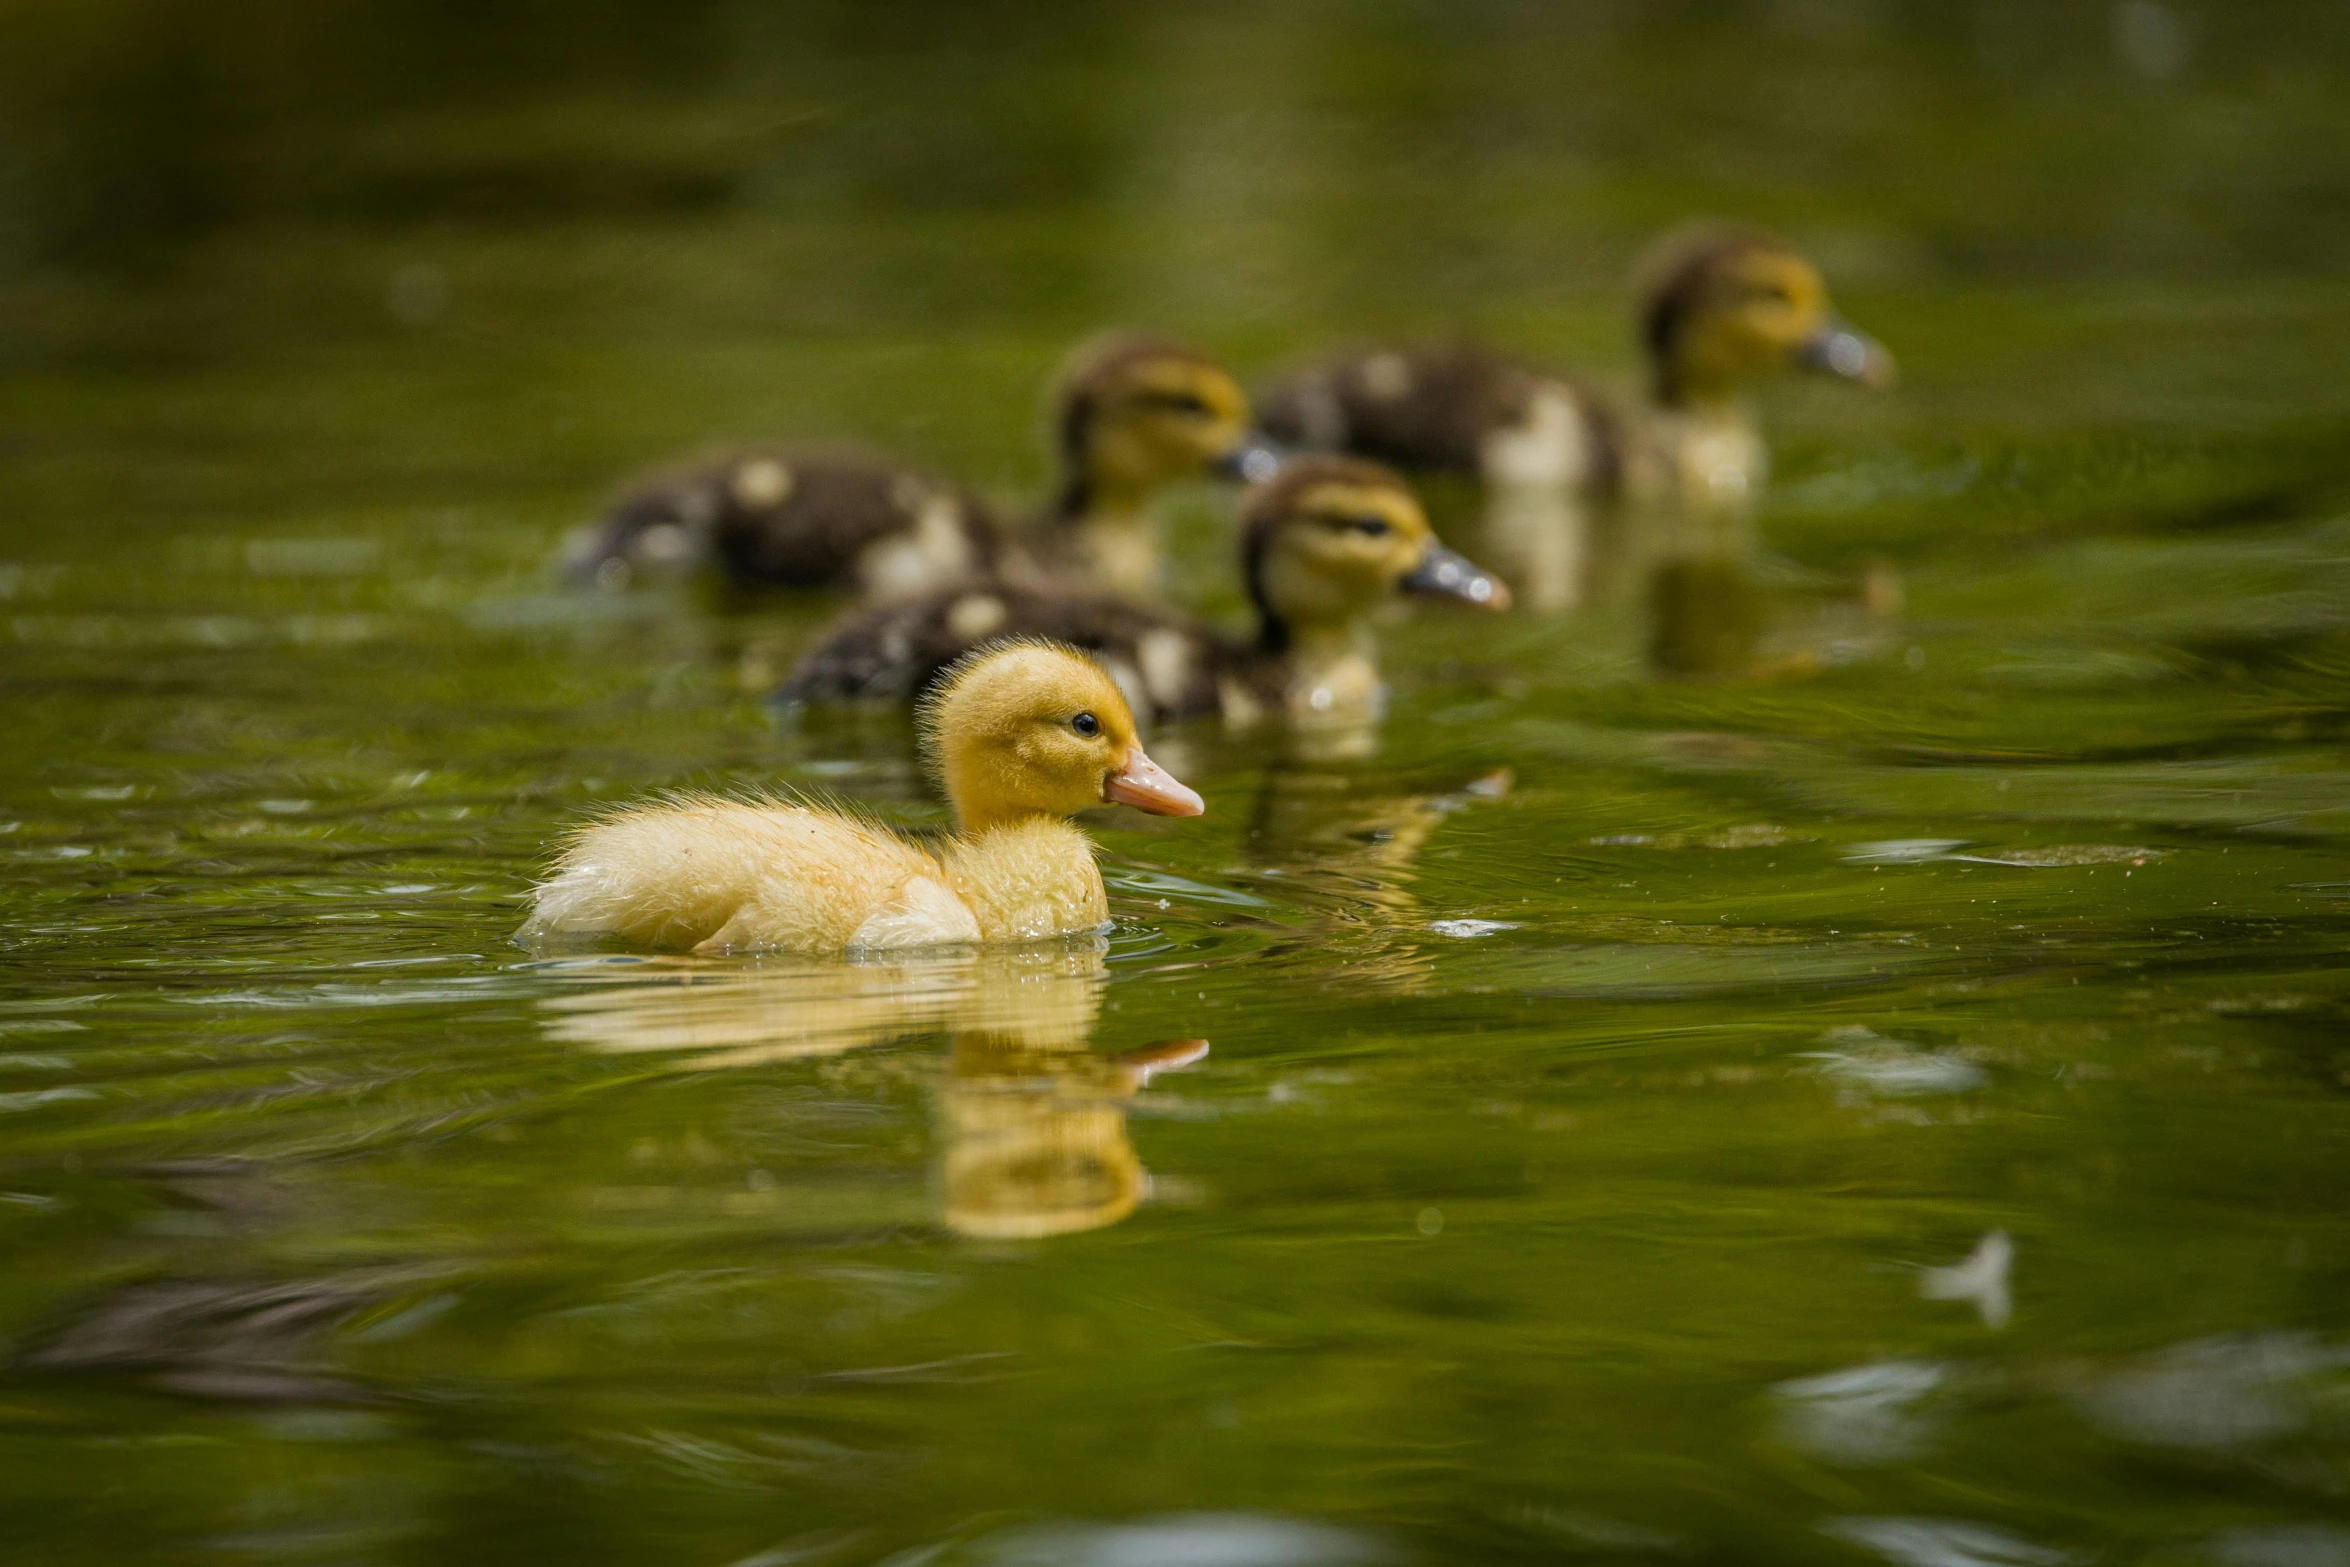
890, 652
1421, 406
1436, 407
785, 516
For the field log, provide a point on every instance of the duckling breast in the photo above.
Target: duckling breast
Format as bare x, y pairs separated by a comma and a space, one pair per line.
1548, 446
1029, 880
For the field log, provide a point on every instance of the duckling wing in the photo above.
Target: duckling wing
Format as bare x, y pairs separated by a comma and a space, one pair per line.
1167, 664
800, 518
723, 875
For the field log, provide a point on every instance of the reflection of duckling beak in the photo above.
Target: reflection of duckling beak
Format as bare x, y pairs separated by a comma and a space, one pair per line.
1037, 1143
1848, 354
1145, 785
1253, 461
1443, 574
1168, 1055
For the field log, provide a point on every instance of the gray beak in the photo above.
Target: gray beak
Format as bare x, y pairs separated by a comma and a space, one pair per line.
1850, 355
1253, 461
1443, 574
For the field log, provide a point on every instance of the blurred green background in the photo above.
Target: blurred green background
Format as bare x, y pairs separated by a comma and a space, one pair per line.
563, 239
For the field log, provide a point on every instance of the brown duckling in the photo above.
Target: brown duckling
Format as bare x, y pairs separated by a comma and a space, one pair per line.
1324, 545
1720, 308
1132, 413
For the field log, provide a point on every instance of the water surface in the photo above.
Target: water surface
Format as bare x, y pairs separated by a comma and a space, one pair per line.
1884, 1102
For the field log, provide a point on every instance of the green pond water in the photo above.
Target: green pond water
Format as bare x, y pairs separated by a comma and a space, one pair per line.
1890, 1102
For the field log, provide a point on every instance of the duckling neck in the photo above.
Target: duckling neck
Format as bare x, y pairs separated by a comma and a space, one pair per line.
975, 818
1089, 494
1106, 528
1026, 877
1330, 668
1688, 391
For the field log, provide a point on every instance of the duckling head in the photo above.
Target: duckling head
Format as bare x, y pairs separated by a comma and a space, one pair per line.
1721, 307
1331, 538
1019, 729
1134, 412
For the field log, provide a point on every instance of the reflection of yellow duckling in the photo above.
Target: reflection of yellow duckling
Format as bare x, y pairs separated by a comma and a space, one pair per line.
1022, 735
1132, 414
778, 1009
1033, 1123
1720, 308
1036, 1142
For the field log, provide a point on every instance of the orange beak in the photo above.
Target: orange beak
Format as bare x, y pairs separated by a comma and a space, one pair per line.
1145, 785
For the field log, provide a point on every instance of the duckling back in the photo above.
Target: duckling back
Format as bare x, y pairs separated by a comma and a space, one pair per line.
1167, 665
1444, 408
777, 516
720, 875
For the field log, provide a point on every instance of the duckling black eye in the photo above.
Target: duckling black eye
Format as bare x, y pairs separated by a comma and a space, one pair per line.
1175, 402
1368, 527
1086, 724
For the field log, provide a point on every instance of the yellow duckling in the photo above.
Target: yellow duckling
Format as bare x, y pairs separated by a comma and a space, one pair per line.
1021, 735
1720, 308
1132, 413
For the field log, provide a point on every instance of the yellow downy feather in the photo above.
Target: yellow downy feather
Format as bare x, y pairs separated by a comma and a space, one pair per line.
724, 875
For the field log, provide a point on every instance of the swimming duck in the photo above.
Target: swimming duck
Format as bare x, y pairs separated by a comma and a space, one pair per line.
1021, 735
1132, 413
1324, 544
1720, 308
